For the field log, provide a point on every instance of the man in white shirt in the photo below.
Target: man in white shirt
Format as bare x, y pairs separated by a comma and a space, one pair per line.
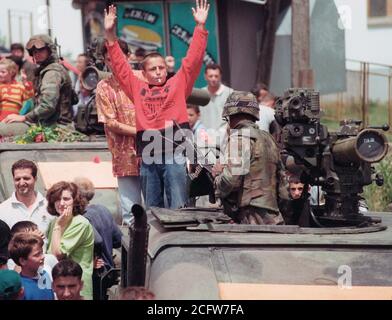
267, 112
25, 203
211, 114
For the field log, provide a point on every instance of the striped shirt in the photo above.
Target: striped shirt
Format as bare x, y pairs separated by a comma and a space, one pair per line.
12, 96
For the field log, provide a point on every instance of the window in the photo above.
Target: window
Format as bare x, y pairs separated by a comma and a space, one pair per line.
379, 13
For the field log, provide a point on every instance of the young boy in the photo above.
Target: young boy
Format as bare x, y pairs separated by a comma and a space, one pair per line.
29, 226
25, 249
67, 280
12, 93
298, 210
159, 103
194, 120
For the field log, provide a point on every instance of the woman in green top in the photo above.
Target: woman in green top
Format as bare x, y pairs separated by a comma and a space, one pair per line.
70, 234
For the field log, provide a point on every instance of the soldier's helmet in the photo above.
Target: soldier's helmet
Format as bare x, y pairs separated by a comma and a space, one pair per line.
40, 41
241, 102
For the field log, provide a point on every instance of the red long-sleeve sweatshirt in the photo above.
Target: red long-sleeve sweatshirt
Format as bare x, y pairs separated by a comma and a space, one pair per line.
156, 105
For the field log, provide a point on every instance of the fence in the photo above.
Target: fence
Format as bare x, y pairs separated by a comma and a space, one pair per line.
368, 96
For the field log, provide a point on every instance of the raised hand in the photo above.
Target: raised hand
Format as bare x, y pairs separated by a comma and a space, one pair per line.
200, 14
110, 22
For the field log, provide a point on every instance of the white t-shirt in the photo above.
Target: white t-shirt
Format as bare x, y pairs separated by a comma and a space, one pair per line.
211, 114
267, 116
13, 211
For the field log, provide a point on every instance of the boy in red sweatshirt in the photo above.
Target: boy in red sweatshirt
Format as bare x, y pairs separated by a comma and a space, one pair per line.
160, 105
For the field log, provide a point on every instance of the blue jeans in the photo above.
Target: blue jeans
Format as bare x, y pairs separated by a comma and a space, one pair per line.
167, 178
130, 193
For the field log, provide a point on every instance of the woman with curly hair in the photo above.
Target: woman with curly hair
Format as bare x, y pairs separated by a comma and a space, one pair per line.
71, 235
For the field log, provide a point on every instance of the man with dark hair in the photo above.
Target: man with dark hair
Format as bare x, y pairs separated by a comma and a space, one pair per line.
25, 203
211, 114
67, 280
260, 90
17, 55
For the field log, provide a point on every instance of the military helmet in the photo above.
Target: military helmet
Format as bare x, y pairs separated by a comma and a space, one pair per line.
39, 41
241, 102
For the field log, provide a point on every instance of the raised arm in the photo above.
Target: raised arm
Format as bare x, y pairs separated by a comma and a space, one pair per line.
192, 63
119, 64
200, 14
110, 24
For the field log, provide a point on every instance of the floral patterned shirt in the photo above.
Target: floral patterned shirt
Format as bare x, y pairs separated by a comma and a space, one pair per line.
113, 103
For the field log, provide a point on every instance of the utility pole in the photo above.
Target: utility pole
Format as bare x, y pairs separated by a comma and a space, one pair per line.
20, 18
302, 74
31, 24
48, 13
9, 27
266, 55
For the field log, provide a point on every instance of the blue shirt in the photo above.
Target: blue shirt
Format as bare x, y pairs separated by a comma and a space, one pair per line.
107, 232
39, 288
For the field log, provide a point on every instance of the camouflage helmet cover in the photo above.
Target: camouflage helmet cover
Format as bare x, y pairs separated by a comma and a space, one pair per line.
40, 41
241, 102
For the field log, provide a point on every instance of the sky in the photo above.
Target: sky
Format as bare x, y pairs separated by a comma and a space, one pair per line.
66, 23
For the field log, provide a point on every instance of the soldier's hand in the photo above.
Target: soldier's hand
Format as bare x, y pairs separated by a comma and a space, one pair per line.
14, 118
110, 23
201, 12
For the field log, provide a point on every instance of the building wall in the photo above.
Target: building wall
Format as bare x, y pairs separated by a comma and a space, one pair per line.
244, 19
371, 44
327, 50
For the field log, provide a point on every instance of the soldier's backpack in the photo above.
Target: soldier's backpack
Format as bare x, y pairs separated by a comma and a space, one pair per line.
87, 119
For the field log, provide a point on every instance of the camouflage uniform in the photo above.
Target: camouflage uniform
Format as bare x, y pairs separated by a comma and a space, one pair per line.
253, 176
53, 92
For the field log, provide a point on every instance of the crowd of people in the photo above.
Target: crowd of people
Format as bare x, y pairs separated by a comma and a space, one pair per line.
58, 245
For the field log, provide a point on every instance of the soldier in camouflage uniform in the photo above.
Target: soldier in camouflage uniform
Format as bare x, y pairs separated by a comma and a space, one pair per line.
251, 178
53, 91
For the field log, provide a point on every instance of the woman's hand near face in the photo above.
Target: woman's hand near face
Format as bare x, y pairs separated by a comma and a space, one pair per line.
65, 218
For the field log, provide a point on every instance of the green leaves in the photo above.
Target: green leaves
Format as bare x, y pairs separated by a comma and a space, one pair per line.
38, 133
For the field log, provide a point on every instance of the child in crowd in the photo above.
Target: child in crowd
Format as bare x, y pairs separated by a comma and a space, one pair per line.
67, 280
26, 249
10, 285
12, 93
194, 120
29, 226
5, 237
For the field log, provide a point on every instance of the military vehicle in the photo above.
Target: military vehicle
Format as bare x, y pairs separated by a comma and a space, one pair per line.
197, 253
